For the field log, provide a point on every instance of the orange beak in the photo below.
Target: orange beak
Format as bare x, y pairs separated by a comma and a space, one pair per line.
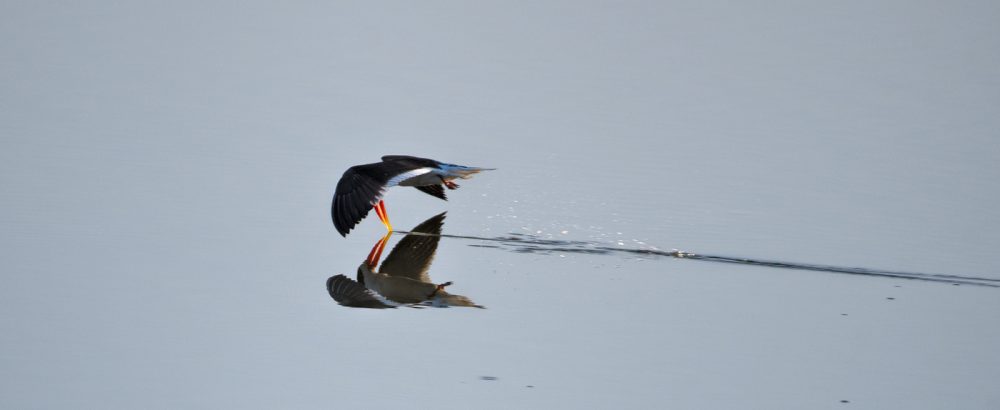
382, 215
376, 253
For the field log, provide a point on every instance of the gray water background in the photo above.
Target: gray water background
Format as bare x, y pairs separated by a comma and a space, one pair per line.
166, 171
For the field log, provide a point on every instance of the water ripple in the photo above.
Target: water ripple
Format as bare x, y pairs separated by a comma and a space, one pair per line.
523, 243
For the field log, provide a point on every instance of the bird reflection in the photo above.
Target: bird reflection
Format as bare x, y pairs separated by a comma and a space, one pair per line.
402, 279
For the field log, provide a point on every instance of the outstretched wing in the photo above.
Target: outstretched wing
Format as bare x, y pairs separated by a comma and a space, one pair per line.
358, 190
413, 255
361, 187
353, 294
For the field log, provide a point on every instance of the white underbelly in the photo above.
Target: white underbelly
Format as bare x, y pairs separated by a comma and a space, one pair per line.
428, 178
414, 177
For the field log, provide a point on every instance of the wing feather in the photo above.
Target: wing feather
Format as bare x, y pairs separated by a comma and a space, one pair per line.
358, 190
433, 190
362, 186
413, 255
353, 294
410, 161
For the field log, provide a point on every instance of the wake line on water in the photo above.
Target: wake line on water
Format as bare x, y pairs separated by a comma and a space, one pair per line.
528, 244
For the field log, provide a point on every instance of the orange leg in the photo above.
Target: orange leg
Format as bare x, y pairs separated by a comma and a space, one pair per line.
439, 288
382, 215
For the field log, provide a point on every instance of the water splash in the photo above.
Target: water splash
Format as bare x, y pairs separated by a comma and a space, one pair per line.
527, 243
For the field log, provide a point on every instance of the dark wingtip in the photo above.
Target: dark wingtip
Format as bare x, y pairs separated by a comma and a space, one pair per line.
436, 191
343, 232
432, 225
329, 284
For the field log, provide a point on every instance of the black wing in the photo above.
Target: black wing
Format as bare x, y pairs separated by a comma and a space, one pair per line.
433, 190
413, 255
358, 190
353, 294
412, 162
361, 186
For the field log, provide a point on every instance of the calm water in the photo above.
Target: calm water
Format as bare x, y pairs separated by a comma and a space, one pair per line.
167, 171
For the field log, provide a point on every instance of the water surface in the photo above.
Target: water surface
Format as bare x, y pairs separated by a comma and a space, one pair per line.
167, 171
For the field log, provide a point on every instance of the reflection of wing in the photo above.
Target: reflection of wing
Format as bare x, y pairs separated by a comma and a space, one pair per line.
350, 293
412, 256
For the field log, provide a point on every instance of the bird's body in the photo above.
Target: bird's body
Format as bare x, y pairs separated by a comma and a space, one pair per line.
403, 278
361, 187
397, 288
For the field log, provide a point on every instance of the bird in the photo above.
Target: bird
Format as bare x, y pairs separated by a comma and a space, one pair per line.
402, 279
361, 187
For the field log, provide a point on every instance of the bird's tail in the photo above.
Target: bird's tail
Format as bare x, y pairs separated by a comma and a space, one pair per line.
445, 299
461, 171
